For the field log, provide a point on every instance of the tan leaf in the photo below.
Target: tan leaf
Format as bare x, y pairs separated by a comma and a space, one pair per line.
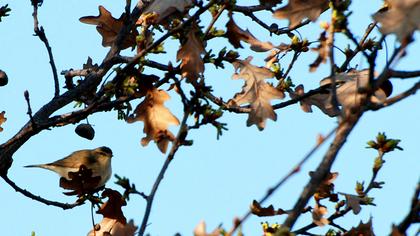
361, 229
297, 10
320, 100
326, 188
156, 118
402, 18
200, 230
258, 210
353, 202
2, 119
348, 90
109, 27
190, 52
318, 215
323, 51
256, 92
163, 9
235, 34
113, 227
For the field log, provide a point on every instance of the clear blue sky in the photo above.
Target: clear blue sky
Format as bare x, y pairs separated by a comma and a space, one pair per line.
214, 180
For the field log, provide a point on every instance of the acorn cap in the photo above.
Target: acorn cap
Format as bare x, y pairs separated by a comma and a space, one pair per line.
85, 131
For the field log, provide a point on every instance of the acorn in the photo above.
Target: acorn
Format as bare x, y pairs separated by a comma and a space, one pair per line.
3, 78
85, 131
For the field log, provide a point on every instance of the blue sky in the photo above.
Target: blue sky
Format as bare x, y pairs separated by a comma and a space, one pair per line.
214, 180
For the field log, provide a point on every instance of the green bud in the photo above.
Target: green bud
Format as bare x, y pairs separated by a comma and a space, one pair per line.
377, 164
381, 138
372, 144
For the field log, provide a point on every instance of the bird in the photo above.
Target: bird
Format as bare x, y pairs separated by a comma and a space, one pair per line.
98, 160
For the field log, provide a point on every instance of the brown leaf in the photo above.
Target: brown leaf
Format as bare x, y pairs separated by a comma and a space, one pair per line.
326, 188
190, 53
90, 65
256, 92
297, 10
81, 182
349, 86
2, 119
114, 222
156, 118
353, 202
235, 34
112, 208
112, 227
323, 51
402, 18
318, 215
200, 230
160, 10
109, 27
320, 100
396, 232
257, 210
361, 229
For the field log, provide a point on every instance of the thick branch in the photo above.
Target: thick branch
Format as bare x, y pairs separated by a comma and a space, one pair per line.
344, 129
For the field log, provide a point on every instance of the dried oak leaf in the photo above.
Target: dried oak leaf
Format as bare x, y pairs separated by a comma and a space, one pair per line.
402, 18
361, 229
235, 35
109, 27
80, 182
326, 188
320, 100
353, 202
258, 210
114, 223
348, 93
189, 53
2, 119
349, 86
200, 230
318, 215
156, 118
256, 92
323, 52
297, 10
160, 10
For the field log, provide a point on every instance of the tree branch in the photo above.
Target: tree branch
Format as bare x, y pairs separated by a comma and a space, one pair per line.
28, 194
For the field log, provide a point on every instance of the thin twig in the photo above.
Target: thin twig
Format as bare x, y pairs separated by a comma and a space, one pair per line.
213, 21
41, 35
26, 193
180, 137
26, 95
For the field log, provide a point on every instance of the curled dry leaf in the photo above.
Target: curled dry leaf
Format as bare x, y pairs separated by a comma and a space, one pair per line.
156, 118
256, 92
200, 230
361, 229
2, 119
350, 87
189, 53
235, 35
318, 215
323, 52
353, 202
258, 210
320, 100
402, 18
109, 28
161, 9
80, 182
114, 222
326, 188
297, 10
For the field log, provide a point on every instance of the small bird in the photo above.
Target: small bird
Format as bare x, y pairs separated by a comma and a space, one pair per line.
98, 160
